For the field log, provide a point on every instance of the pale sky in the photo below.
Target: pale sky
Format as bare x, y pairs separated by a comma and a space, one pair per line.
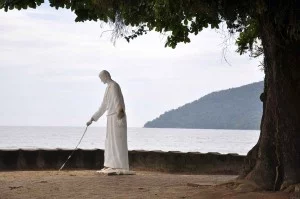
50, 65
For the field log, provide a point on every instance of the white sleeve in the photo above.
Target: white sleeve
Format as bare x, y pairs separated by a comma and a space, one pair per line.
117, 94
102, 108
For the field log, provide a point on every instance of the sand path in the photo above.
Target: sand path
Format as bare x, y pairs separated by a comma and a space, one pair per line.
88, 184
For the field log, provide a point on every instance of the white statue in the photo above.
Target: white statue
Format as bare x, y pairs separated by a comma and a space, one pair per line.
116, 150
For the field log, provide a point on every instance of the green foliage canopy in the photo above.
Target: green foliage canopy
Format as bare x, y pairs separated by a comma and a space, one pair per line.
180, 18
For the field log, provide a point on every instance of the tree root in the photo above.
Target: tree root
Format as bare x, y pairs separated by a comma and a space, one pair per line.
241, 186
246, 186
294, 188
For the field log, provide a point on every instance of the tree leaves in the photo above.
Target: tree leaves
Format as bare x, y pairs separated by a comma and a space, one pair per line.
135, 33
248, 37
18, 4
179, 18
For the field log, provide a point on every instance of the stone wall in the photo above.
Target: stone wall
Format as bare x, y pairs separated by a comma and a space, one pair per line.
192, 163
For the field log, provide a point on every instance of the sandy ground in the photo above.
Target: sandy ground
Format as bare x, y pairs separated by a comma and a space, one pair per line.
88, 184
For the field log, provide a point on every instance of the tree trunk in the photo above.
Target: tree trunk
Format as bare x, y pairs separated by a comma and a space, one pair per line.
274, 162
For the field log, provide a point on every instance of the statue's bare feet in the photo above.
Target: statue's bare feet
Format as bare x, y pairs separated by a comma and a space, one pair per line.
103, 170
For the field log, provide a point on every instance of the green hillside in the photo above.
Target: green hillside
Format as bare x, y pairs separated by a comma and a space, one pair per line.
235, 108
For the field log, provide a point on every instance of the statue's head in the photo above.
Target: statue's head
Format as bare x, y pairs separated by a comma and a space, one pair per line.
104, 76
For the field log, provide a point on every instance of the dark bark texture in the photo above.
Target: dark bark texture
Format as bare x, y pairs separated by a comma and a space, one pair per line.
274, 162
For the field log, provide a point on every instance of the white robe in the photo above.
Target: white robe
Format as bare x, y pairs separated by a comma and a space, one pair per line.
116, 149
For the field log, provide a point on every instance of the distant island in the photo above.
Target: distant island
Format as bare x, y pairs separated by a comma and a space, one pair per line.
235, 108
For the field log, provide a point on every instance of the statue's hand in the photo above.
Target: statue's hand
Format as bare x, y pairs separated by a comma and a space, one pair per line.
121, 114
89, 122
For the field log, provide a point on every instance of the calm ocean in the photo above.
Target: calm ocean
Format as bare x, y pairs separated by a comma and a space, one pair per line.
185, 140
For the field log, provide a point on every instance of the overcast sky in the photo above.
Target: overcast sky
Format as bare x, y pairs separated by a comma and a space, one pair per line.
50, 65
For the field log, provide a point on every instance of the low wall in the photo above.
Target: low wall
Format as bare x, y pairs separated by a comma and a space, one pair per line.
193, 163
